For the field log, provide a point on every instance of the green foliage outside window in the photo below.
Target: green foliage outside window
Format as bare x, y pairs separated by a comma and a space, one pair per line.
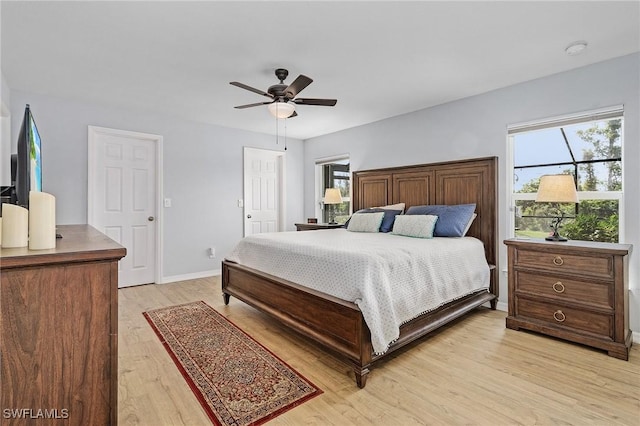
599, 225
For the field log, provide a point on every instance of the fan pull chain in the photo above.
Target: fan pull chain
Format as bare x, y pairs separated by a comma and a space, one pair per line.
285, 134
277, 141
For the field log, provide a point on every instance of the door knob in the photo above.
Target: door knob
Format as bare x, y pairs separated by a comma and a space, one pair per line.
151, 218
248, 216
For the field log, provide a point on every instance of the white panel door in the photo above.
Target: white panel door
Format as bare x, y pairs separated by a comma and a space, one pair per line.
262, 190
123, 197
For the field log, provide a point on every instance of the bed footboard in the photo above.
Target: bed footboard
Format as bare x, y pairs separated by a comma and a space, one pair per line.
335, 324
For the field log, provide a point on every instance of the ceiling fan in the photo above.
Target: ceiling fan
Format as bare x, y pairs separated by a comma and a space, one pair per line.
283, 97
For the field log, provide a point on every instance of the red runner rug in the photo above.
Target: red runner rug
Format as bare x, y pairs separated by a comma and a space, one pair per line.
237, 380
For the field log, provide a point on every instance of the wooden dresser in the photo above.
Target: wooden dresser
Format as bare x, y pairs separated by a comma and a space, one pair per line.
574, 290
59, 331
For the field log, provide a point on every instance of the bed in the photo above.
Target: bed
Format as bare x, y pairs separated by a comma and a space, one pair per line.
339, 326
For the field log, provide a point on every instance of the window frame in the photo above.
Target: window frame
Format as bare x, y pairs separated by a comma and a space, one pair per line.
320, 182
609, 113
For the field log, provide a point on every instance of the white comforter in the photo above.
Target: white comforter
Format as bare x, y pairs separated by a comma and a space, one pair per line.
391, 278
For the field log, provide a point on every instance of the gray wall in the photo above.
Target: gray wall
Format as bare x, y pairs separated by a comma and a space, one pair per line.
202, 174
476, 127
5, 131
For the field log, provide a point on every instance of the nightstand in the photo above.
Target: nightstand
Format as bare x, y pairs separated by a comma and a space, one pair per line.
574, 290
316, 226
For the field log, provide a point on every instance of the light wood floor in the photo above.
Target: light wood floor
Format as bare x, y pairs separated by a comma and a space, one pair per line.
473, 372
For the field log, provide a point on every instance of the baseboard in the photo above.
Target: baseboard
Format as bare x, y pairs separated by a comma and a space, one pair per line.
193, 276
502, 306
635, 337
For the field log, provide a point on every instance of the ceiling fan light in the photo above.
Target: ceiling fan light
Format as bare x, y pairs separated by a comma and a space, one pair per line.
281, 109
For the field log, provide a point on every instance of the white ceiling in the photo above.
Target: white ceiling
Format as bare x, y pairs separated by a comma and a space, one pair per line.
379, 59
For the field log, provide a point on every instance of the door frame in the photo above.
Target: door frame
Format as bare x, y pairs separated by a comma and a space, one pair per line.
93, 132
282, 185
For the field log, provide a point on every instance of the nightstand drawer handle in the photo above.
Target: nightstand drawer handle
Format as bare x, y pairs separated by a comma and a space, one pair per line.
559, 316
558, 261
558, 287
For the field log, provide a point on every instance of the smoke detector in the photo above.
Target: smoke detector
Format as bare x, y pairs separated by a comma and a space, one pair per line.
576, 48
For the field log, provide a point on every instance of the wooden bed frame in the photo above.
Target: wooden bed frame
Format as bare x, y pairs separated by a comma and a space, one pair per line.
337, 325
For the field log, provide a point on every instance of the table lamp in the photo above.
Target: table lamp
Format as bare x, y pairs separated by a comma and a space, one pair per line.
557, 189
332, 196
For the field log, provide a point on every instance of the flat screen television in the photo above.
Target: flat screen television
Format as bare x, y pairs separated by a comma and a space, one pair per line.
29, 160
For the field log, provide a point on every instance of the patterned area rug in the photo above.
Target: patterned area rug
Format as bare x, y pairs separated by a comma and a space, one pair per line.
237, 380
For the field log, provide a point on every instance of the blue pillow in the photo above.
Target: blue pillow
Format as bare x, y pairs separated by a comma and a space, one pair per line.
452, 220
387, 220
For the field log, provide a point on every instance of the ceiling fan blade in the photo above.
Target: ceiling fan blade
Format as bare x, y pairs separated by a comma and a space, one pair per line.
295, 114
251, 89
297, 86
312, 101
252, 105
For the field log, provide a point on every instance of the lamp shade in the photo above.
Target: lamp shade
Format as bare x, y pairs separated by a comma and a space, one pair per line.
281, 109
557, 189
332, 196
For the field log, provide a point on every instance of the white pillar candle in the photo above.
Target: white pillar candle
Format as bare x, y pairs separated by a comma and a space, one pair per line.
42, 221
15, 226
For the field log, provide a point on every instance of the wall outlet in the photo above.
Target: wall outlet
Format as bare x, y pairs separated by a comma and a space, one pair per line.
212, 252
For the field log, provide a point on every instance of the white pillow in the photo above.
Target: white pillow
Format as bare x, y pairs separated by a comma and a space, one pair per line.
418, 226
365, 222
399, 206
466, 229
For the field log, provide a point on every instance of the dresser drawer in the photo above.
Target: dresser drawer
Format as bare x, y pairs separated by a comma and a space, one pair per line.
588, 292
595, 266
566, 317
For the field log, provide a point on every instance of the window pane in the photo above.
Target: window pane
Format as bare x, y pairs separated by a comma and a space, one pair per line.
336, 174
596, 140
341, 181
600, 176
527, 180
534, 219
340, 212
540, 147
595, 220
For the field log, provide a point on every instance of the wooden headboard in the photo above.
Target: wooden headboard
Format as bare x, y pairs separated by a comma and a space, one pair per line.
451, 182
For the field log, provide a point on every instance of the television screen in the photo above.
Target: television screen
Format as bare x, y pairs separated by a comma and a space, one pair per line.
29, 160
35, 156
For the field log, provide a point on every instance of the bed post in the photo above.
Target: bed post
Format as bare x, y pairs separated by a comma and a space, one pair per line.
493, 286
361, 366
361, 376
224, 282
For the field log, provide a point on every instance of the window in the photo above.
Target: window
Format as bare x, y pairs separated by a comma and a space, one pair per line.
333, 173
587, 146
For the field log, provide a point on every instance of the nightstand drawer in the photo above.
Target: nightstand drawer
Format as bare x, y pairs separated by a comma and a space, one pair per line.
566, 317
596, 266
591, 293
